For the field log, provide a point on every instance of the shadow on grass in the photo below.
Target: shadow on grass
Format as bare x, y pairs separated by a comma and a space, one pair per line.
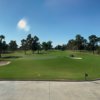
11, 57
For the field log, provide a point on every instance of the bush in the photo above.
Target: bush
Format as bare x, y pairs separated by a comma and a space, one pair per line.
72, 55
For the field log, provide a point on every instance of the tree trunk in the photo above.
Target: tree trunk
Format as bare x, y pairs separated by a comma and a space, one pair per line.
25, 52
38, 51
93, 51
33, 51
0, 54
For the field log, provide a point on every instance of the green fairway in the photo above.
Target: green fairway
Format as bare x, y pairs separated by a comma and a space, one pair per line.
52, 65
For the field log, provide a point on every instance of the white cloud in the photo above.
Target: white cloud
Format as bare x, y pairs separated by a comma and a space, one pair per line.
23, 25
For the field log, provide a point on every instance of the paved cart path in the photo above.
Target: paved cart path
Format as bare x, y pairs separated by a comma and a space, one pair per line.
45, 90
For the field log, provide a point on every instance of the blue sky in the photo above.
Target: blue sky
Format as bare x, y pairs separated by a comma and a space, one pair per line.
55, 20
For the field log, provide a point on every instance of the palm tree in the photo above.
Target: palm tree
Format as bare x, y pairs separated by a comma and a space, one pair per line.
1, 43
44, 46
24, 45
80, 42
71, 45
13, 45
98, 49
93, 39
35, 44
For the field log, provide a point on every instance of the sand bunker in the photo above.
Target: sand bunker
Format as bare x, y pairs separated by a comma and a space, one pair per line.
76, 58
2, 63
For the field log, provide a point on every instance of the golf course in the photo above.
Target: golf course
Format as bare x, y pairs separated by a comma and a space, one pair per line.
50, 65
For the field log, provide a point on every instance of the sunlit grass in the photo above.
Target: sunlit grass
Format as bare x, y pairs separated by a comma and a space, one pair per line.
51, 65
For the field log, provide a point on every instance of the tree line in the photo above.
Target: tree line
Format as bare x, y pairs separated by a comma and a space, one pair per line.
29, 43
4, 47
80, 43
32, 43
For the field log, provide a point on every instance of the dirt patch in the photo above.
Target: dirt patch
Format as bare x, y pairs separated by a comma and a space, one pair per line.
2, 63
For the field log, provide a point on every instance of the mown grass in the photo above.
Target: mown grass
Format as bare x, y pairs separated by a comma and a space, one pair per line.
51, 65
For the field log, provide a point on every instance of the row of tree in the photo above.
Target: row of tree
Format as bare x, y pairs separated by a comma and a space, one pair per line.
5, 47
30, 43
80, 43
33, 44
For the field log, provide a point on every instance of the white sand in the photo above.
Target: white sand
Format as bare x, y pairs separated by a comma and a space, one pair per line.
2, 63
75, 57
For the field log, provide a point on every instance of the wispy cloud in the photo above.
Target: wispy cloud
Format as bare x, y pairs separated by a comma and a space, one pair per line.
23, 25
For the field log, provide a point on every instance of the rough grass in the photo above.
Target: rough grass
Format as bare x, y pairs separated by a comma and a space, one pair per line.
51, 65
